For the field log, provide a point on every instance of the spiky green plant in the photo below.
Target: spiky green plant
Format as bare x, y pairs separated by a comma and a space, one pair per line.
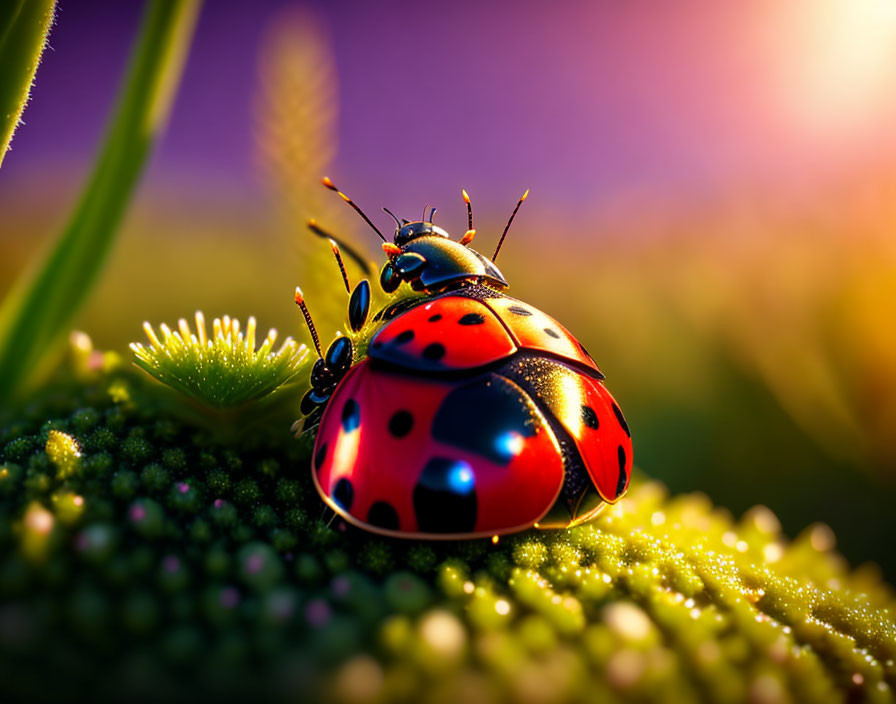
221, 370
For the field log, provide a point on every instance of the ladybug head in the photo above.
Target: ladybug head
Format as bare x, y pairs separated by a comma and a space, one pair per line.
429, 260
408, 231
426, 257
405, 231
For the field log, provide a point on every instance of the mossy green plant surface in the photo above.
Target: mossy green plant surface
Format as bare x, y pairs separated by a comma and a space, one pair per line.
138, 554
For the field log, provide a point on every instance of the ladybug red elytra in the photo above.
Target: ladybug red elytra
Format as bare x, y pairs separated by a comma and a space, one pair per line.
472, 414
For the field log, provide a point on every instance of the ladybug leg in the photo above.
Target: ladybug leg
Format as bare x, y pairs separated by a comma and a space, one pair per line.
389, 278
339, 357
325, 376
359, 305
405, 267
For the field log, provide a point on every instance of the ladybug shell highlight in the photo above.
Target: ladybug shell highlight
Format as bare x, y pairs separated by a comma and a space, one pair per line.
446, 261
474, 415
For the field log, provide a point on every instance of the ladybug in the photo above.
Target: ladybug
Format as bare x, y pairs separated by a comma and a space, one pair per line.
473, 414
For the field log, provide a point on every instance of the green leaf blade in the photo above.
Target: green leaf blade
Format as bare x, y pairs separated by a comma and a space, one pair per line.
38, 313
24, 25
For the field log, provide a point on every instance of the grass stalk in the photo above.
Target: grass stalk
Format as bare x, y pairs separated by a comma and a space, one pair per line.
24, 25
37, 315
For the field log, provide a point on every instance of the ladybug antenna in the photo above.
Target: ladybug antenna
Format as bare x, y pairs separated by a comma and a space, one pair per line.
507, 227
469, 209
423, 217
335, 248
329, 184
397, 221
432, 214
350, 251
300, 302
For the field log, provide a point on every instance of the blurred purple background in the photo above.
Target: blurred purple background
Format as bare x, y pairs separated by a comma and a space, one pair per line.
587, 103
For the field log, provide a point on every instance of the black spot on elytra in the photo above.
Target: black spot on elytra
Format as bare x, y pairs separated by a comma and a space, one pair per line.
343, 494
477, 416
445, 497
351, 415
435, 318
400, 423
589, 417
620, 483
519, 310
403, 337
552, 333
320, 456
383, 515
471, 319
618, 413
434, 351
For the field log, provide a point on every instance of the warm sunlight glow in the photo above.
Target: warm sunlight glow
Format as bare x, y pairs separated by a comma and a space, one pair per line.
843, 55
